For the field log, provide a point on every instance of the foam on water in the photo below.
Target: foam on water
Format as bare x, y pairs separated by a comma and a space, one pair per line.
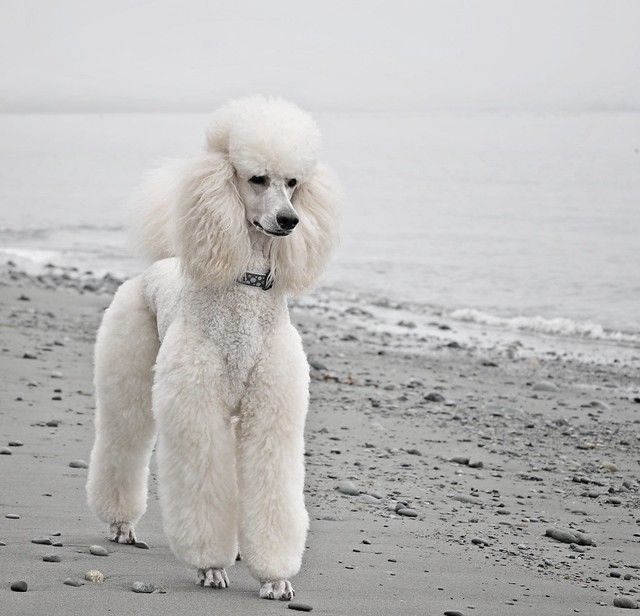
549, 326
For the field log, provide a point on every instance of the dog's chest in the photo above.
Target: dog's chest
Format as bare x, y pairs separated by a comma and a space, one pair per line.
239, 322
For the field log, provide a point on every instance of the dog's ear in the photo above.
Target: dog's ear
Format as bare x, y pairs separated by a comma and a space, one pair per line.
299, 259
211, 233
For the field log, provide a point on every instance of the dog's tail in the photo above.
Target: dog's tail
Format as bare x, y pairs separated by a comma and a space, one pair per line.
152, 227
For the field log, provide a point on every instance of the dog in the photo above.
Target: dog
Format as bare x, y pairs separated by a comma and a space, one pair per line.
199, 353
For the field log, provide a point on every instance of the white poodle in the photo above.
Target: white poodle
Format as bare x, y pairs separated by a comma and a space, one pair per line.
200, 350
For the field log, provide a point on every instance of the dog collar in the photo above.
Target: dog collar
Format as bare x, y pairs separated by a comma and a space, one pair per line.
256, 280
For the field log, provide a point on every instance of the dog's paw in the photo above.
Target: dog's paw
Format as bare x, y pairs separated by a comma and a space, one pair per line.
122, 532
278, 589
213, 577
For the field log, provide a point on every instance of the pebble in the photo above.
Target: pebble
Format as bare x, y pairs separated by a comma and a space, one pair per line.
434, 396
98, 550
452, 613
625, 602
569, 536
463, 498
78, 464
12, 516
480, 541
20, 586
94, 576
407, 512
348, 488
73, 582
5, 451
317, 365
41, 541
545, 386
15, 443
142, 545
475, 464
143, 587
460, 460
51, 558
300, 607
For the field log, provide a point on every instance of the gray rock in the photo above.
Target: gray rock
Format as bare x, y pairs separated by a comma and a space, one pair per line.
12, 516
143, 587
480, 541
434, 396
300, 607
98, 550
41, 541
5, 451
545, 386
348, 488
475, 464
407, 512
73, 582
19, 586
407, 324
463, 498
625, 602
78, 464
460, 460
317, 365
453, 613
15, 443
51, 558
569, 536
142, 545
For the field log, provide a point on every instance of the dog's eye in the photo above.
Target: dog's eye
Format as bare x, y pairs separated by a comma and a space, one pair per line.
292, 182
258, 179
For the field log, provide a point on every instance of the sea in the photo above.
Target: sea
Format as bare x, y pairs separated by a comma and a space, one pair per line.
519, 224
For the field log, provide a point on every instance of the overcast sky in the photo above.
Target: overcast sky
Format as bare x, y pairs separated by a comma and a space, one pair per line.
90, 55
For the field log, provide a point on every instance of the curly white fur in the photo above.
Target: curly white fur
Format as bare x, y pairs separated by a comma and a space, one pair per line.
214, 367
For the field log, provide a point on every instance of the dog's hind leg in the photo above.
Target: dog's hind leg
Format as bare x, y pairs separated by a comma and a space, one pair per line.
125, 354
196, 454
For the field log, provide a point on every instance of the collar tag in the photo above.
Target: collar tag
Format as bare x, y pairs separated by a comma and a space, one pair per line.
256, 280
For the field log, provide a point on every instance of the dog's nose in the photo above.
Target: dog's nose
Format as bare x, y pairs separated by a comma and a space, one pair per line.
287, 221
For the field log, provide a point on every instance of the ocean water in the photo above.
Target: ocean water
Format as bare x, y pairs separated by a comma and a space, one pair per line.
521, 222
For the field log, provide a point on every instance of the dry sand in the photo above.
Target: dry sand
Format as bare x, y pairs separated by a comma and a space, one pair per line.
558, 444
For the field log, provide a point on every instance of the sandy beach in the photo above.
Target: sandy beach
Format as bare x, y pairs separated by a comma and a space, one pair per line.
434, 471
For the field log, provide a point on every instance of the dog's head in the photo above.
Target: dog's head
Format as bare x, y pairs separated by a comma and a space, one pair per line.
259, 171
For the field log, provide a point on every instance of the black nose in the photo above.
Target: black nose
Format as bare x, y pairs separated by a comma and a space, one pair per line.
287, 221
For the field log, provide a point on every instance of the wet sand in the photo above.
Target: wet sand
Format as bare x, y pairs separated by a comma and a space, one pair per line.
538, 442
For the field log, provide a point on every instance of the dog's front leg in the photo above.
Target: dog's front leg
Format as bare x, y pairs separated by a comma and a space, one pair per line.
273, 518
196, 455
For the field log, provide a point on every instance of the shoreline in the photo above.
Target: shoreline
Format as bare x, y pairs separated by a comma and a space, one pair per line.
468, 328
489, 450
